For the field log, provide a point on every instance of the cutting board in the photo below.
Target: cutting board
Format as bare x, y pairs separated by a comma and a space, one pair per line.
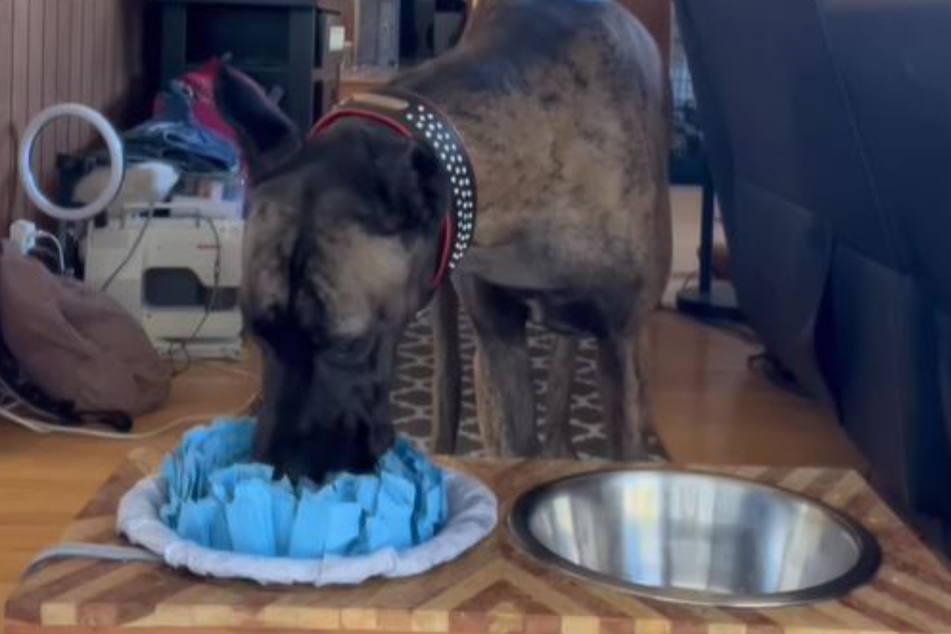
492, 589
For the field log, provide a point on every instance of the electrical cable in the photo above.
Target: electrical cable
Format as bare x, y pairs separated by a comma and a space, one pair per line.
132, 250
209, 303
59, 247
45, 428
225, 367
12, 406
8, 392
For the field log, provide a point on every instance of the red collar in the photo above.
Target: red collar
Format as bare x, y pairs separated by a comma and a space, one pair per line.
410, 117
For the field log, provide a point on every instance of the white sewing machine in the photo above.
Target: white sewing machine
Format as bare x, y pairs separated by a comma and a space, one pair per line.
181, 280
175, 266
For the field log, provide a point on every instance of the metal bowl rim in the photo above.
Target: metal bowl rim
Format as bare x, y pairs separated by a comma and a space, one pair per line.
862, 571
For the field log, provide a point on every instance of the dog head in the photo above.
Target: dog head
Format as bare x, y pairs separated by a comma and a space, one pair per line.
341, 240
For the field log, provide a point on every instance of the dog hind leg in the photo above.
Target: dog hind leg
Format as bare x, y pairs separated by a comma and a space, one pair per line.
505, 404
558, 401
622, 395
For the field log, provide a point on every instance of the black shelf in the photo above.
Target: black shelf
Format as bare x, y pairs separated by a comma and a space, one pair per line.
258, 3
274, 41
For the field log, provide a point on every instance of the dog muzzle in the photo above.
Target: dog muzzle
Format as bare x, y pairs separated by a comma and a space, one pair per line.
413, 117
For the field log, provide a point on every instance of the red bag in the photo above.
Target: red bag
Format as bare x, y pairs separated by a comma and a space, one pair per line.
200, 84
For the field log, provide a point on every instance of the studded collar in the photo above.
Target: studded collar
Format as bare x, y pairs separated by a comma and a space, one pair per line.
413, 117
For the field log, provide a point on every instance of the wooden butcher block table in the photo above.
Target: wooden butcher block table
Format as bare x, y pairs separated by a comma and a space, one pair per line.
494, 588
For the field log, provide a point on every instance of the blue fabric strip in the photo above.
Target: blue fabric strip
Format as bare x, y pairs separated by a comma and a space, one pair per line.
220, 499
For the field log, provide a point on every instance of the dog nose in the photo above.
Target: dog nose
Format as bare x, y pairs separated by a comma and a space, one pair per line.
319, 443
382, 437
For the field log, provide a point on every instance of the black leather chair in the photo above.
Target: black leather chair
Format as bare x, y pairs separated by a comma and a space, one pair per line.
827, 125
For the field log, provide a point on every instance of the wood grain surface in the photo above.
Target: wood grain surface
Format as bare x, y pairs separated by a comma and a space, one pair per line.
494, 588
708, 408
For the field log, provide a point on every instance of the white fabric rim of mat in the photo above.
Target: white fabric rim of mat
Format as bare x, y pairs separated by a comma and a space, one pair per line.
473, 514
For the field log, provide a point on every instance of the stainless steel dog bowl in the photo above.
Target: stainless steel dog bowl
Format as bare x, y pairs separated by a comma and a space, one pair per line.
695, 538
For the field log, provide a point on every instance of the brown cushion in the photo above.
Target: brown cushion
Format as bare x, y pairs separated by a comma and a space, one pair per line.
77, 343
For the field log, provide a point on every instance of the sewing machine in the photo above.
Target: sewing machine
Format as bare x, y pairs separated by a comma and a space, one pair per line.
177, 274
174, 265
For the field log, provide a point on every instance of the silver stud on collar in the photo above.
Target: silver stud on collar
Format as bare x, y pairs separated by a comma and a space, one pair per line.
439, 134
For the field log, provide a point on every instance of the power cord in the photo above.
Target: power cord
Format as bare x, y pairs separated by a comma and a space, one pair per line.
12, 406
59, 248
135, 246
209, 303
226, 367
45, 428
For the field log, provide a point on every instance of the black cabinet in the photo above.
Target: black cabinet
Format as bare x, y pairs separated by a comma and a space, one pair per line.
277, 42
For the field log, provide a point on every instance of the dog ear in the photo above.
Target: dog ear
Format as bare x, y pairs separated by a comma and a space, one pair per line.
266, 135
421, 184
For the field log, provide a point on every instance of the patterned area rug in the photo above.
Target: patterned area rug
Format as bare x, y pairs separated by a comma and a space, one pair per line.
411, 394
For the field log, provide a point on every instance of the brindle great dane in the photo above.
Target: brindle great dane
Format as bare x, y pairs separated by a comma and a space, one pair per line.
547, 197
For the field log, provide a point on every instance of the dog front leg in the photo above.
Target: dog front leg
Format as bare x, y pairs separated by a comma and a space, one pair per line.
505, 403
447, 379
623, 395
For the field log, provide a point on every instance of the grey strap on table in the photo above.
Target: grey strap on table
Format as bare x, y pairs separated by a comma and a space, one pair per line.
69, 550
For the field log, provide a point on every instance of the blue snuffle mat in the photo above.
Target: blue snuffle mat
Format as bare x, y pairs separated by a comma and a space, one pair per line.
214, 512
218, 498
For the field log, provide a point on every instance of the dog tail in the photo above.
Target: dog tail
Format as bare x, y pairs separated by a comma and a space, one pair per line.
447, 370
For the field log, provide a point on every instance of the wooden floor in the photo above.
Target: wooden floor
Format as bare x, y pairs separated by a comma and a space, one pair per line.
709, 408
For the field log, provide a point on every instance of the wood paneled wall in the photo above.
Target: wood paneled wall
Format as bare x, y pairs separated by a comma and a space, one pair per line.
51, 51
